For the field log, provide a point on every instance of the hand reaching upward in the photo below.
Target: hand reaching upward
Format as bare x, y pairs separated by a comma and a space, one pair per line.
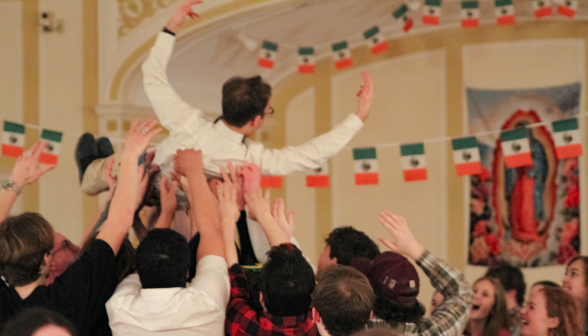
366, 96
404, 241
182, 11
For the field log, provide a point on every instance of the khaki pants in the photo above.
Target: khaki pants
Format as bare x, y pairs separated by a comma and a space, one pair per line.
93, 182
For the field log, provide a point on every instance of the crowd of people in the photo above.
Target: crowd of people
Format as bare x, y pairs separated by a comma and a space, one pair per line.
216, 256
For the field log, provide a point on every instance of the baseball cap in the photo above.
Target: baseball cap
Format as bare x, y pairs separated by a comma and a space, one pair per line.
391, 275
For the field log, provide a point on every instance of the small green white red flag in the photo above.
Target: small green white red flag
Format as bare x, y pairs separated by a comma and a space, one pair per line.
505, 13
542, 8
470, 14
375, 40
271, 182
51, 152
342, 55
432, 12
568, 8
366, 166
568, 142
318, 178
401, 15
13, 139
267, 55
414, 164
516, 148
306, 60
466, 156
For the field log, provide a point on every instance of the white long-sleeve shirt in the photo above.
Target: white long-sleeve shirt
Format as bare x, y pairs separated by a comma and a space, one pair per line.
198, 309
219, 144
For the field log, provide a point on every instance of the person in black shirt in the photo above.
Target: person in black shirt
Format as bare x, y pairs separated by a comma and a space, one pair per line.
81, 292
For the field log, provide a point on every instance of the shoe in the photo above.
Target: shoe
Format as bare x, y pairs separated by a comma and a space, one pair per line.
86, 152
104, 147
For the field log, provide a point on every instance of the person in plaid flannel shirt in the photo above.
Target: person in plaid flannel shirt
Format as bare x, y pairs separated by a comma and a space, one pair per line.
287, 280
396, 285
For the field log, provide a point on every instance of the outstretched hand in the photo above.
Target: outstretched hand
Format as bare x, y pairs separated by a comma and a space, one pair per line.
167, 195
227, 200
188, 161
139, 136
404, 241
366, 96
182, 11
279, 214
251, 177
27, 169
258, 204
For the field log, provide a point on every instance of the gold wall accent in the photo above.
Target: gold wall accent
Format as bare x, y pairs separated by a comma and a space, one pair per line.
112, 125
90, 91
133, 12
30, 44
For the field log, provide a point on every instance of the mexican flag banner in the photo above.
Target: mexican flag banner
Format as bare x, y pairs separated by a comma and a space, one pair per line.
466, 156
267, 55
51, 152
542, 8
13, 139
401, 14
375, 40
505, 14
568, 8
432, 12
271, 182
366, 166
306, 60
318, 178
470, 14
342, 55
568, 142
414, 165
516, 148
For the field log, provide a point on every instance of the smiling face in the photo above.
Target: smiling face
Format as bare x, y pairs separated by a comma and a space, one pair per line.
534, 318
574, 282
483, 300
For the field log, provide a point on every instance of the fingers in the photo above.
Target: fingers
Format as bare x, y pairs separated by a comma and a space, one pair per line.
389, 245
38, 148
291, 216
163, 185
224, 175
173, 189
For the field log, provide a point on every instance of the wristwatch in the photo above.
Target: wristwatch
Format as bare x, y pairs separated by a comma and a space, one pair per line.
10, 185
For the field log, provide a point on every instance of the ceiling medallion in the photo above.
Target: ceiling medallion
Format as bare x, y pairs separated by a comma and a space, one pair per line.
133, 12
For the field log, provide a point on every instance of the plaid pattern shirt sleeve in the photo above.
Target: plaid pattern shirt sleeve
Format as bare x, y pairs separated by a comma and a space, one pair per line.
242, 319
450, 318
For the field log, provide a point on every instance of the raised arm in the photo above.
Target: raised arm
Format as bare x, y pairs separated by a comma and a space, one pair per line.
167, 195
203, 209
260, 210
173, 113
124, 200
312, 154
26, 171
229, 213
451, 316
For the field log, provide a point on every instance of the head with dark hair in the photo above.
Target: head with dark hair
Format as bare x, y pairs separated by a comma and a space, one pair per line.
551, 311
396, 312
343, 300
34, 320
26, 242
345, 244
539, 285
489, 307
511, 278
125, 259
163, 259
575, 281
378, 332
244, 99
286, 282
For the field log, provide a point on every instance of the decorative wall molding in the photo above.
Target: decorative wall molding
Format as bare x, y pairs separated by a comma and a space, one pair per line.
133, 12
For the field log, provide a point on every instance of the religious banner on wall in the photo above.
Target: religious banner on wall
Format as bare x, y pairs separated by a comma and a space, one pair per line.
527, 215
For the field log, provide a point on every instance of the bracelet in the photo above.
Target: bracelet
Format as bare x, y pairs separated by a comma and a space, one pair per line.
10, 185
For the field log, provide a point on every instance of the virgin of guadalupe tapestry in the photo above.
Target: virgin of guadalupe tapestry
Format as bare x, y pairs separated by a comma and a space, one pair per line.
526, 216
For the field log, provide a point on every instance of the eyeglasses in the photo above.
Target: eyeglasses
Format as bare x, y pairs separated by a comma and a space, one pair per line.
65, 245
271, 111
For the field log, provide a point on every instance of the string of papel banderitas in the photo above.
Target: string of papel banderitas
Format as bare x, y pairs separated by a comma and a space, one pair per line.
515, 146
431, 15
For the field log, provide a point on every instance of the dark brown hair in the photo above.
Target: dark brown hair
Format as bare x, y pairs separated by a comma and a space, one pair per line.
24, 241
344, 299
125, 259
563, 306
585, 264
